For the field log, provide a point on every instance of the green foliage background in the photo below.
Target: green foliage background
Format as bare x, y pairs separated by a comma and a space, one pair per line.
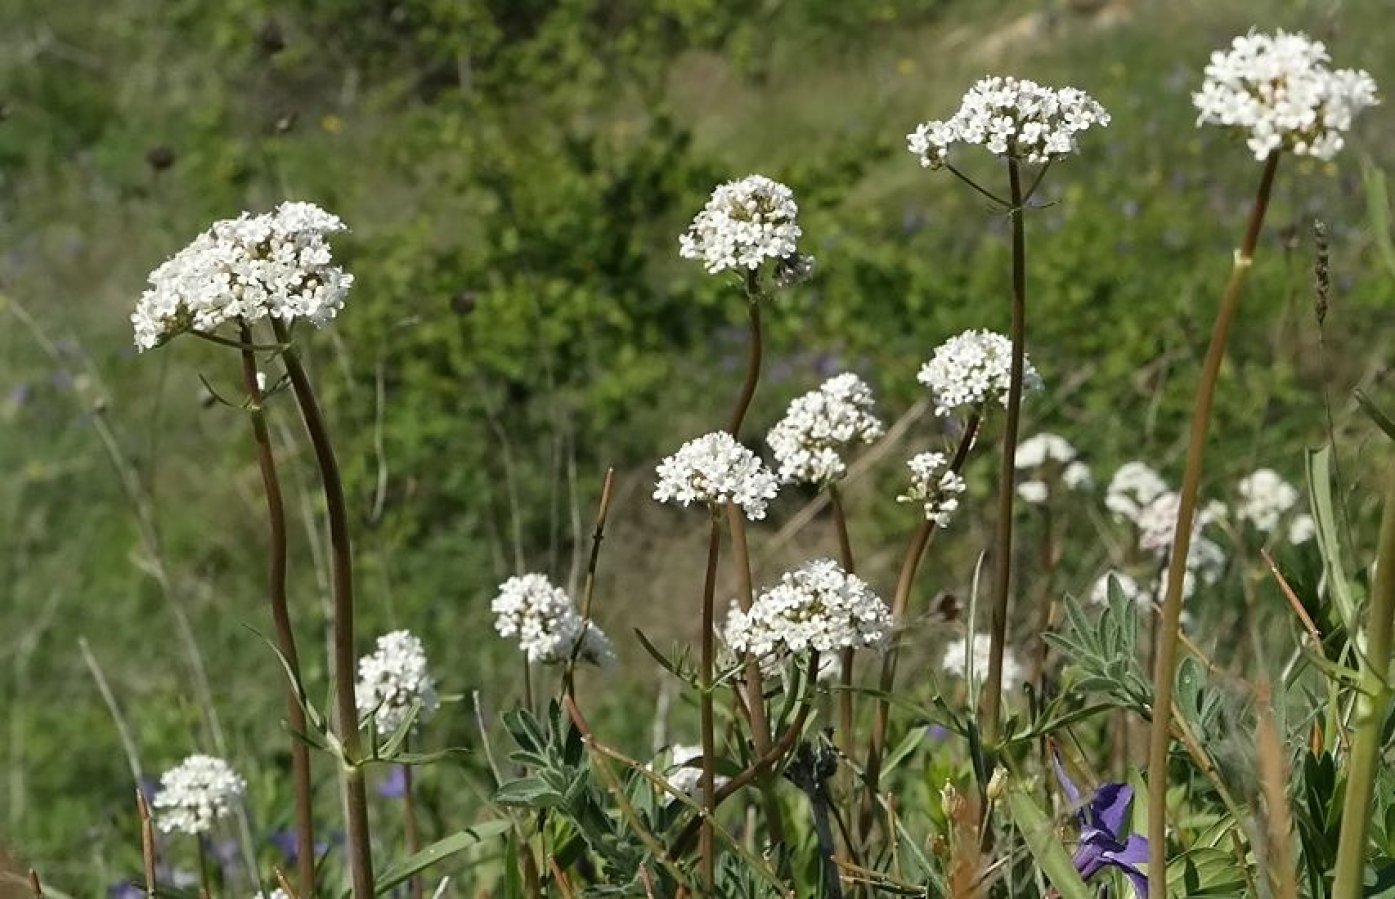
516, 173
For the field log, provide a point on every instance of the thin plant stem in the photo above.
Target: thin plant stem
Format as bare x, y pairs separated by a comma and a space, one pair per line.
341, 582
754, 679
845, 680
589, 589
753, 358
205, 883
527, 683
979, 187
147, 843
910, 564
1166, 641
1372, 707
1002, 561
709, 743
280, 613
409, 824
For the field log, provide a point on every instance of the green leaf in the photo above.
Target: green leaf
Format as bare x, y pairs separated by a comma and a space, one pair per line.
1325, 518
1378, 210
532, 792
1212, 873
1040, 837
1382, 420
399, 872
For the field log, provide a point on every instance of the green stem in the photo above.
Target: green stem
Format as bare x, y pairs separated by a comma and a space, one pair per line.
281, 616
1166, 645
1373, 705
409, 823
845, 697
753, 359
342, 587
709, 742
1002, 560
754, 679
910, 564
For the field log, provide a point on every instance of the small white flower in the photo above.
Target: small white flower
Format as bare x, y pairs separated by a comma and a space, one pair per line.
957, 658
715, 469
1050, 457
392, 678
1301, 529
1265, 498
275, 265
195, 794
808, 441
1039, 449
1033, 492
744, 223
1132, 488
547, 626
1011, 117
277, 893
1279, 90
934, 486
971, 370
685, 777
817, 606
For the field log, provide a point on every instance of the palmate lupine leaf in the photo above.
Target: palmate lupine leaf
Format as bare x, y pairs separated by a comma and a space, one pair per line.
1104, 652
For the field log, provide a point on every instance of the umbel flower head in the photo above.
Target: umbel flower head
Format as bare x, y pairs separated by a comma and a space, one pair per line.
1279, 90
1265, 498
808, 441
195, 794
1134, 486
1049, 458
716, 469
959, 656
817, 606
275, 265
392, 678
934, 486
971, 370
1011, 117
541, 616
744, 223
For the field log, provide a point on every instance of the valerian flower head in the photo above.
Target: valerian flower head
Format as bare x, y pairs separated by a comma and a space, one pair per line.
274, 265
934, 486
1279, 90
817, 606
1132, 488
1011, 117
971, 370
1265, 498
547, 626
716, 470
392, 678
743, 224
195, 794
808, 441
959, 656
1049, 458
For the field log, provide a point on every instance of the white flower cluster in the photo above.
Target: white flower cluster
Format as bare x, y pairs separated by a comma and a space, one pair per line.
934, 486
276, 265
392, 678
530, 608
817, 606
197, 792
1132, 488
1279, 89
1011, 117
1265, 498
972, 369
686, 777
1048, 456
716, 469
817, 425
744, 223
957, 658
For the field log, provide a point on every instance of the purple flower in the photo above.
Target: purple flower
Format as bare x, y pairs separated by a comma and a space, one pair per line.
1103, 844
125, 891
936, 732
394, 786
286, 842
